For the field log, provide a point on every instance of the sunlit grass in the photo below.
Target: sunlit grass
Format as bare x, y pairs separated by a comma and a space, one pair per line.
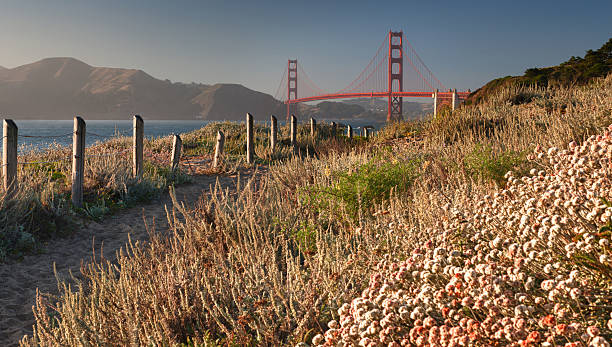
263, 267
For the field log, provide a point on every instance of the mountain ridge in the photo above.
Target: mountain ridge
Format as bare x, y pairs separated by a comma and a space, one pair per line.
62, 87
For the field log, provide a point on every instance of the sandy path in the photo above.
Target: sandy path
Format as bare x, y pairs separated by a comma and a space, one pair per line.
19, 279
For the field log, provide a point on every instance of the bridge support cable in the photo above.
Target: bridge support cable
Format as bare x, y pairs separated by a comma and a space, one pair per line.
383, 77
280, 91
358, 84
435, 83
307, 83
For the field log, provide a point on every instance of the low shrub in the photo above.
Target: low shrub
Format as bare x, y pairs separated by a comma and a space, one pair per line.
359, 190
483, 162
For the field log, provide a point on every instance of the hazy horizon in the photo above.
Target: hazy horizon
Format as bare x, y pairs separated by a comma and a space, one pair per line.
249, 43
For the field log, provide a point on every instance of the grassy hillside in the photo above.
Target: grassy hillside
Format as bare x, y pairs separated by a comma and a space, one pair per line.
488, 227
575, 71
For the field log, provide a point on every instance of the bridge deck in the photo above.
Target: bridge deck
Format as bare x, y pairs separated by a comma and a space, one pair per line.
442, 95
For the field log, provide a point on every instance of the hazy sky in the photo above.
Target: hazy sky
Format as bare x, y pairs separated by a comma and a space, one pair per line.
465, 43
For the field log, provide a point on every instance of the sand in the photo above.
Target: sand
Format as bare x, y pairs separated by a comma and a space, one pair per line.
20, 279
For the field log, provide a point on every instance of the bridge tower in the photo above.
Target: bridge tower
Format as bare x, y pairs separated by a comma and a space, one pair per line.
395, 60
292, 90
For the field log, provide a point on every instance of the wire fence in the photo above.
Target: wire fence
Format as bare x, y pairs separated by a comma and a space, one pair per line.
88, 133
79, 155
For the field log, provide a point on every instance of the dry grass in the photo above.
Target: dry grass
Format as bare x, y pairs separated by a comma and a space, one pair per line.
43, 193
260, 267
44, 189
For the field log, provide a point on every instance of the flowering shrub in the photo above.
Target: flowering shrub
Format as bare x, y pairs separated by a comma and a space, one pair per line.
528, 265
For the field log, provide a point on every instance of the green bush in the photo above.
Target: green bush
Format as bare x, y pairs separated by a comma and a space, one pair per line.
359, 190
483, 162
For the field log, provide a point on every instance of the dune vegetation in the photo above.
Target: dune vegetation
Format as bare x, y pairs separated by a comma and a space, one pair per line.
44, 188
44, 182
489, 225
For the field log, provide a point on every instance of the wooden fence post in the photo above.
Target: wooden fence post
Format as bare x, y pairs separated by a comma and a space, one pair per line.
249, 139
334, 129
219, 147
177, 144
349, 131
273, 132
313, 126
137, 145
435, 103
9, 157
293, 131
78, 161
366, 132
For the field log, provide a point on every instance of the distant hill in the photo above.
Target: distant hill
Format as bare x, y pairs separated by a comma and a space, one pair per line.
59, 88
575, 71
233, 101
374, 110
411, 109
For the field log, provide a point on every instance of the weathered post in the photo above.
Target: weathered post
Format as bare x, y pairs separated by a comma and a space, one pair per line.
366, 132
219, 147
138, 127
454, 101
334, 128
78, 161
313, 126
435, 105
293, 131
249, 139
177, 145
273, 133
349, 131
9, 157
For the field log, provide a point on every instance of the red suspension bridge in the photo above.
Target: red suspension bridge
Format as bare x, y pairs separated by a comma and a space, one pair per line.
395, 72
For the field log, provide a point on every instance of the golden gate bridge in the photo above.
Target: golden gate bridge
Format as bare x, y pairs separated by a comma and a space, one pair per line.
396, 71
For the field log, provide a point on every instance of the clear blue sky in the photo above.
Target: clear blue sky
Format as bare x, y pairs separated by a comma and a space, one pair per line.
465, 43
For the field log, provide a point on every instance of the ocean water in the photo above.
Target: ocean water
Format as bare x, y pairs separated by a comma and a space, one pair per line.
96, 130
35, 134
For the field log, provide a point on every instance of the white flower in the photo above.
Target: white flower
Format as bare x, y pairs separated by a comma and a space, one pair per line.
599, 341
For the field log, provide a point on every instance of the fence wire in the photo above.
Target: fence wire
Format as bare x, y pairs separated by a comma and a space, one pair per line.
45, 136
70, 157
98, 135
44, 162
106, 154
72, 133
